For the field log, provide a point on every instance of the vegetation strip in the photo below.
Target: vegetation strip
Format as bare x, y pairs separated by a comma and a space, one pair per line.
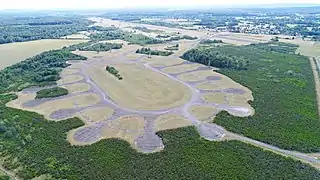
51, 92
148, 51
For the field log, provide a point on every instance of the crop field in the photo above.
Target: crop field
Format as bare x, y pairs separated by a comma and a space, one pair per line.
154, 94
16, 52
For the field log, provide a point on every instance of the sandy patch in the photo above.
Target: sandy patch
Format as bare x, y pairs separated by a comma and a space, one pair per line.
141, 88
69, 79
163, 61
204, 113
78, 87
171, 121
98, 114
67, 71
196, 75
218, 98
182, 68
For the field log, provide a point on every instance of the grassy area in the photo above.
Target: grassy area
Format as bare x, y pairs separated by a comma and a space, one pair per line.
51, 92
284, 97
40, 147
16, 52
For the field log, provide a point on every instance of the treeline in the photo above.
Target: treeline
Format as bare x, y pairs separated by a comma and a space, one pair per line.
209, 41
154, 52
101, 47
211, 57
35, 29
114, 71
172, 48
276, 46
177, 38
40, 70
51, 92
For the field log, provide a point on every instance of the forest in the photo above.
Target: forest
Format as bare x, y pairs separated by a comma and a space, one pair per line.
28, 29
51, 92
212, 57
285, 103
38, 146
149, 51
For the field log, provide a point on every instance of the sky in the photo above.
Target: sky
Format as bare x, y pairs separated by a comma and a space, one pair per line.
115, 4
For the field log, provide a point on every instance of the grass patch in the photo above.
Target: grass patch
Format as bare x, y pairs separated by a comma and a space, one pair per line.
40, 147
51, 92
284, 94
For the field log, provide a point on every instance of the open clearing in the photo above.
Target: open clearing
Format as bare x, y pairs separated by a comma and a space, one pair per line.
15, 52
151, 97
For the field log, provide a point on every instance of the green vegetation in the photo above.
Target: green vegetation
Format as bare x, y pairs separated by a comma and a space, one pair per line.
172, 48
40, 70
162, 36
114, 71
101, 47
285, 104
177, 38
40, 147
212, 57
4, 177
13, 29
209, 41
146, 30
116, 33
154, 52
51, 92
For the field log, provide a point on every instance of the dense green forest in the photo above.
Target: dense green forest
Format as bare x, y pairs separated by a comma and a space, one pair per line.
211, 57
101, 47
35, 28
40, 147
154, 52
40, 70
114, 71
283, 88
51, 92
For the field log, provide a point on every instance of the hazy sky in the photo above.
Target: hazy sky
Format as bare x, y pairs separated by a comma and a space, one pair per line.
104, 4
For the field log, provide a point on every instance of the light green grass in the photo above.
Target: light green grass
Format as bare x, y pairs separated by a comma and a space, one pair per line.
15, 52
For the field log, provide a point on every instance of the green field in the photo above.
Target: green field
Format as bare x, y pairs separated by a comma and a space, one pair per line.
284, 97
15, 52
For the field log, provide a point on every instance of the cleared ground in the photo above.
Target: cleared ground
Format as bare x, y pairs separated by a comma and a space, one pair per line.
15, 52
156, 93
141, 88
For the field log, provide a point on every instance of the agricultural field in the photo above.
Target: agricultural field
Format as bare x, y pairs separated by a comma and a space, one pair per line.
13, 53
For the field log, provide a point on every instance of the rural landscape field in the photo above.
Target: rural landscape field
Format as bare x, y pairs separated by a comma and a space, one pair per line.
162, 95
